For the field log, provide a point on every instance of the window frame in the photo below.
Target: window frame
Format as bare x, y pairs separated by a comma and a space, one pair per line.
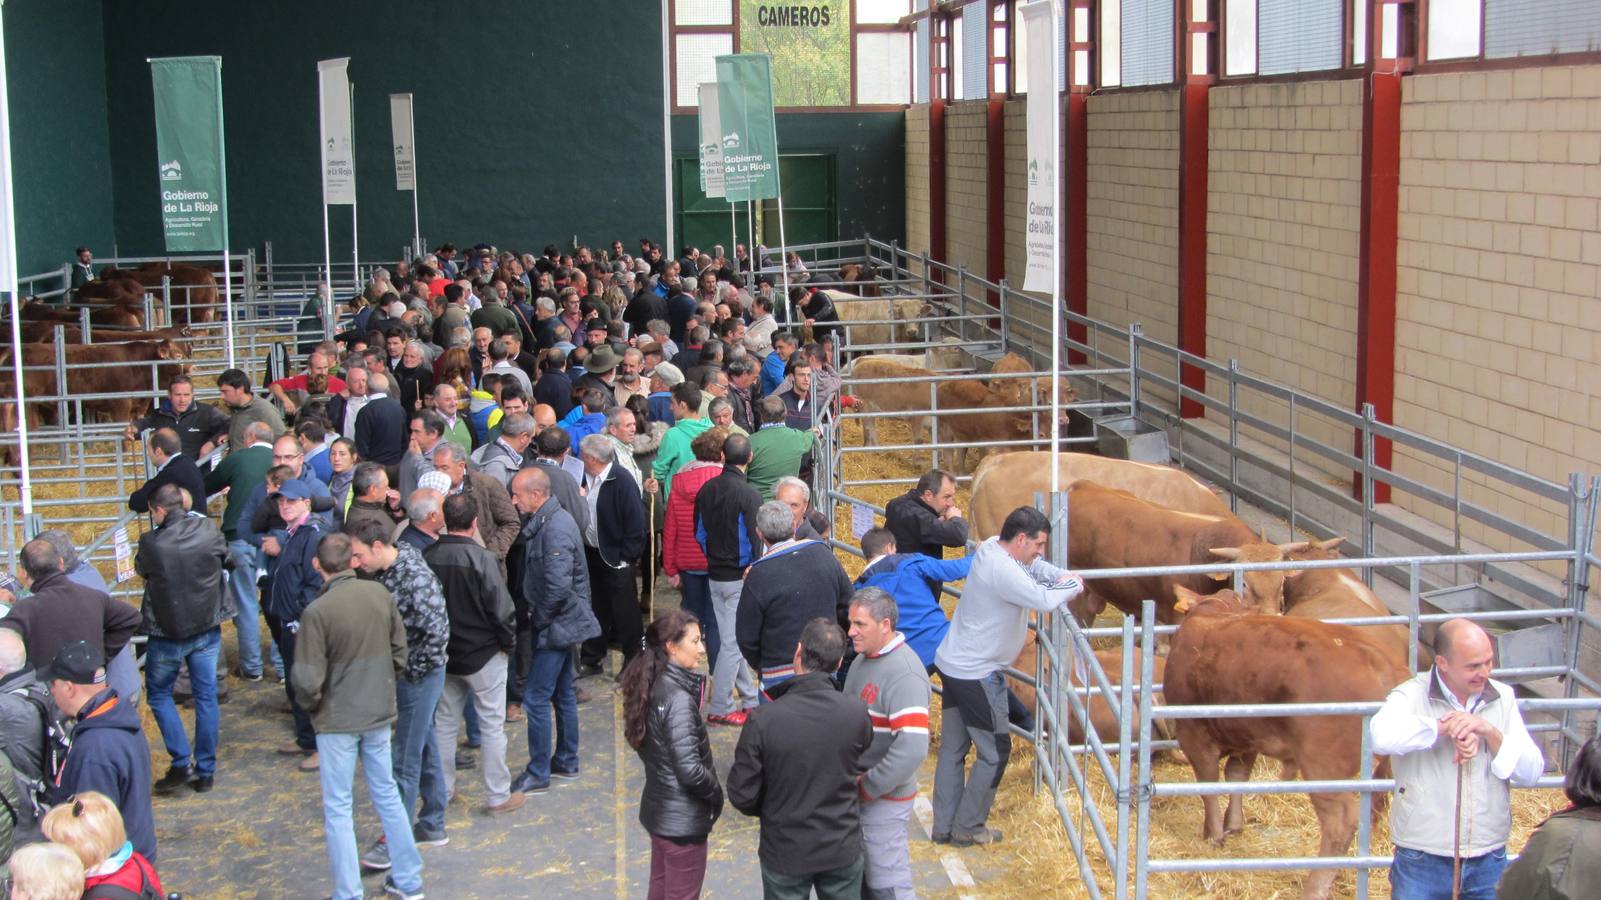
1347, 68
1481, 62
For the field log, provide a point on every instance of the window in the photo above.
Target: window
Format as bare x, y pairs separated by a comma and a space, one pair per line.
1146, 35
883, 67
1020, 56
970, 57
697, 62
1538, 27
1453, 29
1280, 37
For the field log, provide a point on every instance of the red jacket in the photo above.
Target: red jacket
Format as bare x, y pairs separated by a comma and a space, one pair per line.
681, 552
134, 875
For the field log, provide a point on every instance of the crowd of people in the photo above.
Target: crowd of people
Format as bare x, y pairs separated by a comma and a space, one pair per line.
456, 512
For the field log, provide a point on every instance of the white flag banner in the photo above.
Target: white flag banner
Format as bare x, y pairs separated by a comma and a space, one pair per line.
405, 142
711, 142
338, 160
1041, 20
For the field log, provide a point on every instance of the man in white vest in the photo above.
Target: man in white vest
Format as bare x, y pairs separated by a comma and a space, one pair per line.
1448, 726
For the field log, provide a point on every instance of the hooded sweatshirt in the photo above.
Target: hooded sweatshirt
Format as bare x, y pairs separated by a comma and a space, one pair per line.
109, 754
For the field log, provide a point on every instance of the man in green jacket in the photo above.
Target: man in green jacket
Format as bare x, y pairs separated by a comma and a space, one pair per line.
351, 642
687, 425
240, 473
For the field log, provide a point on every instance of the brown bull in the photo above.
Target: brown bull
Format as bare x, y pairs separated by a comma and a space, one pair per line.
194, 289
1340, 594
1005, 481
1111, 529
35, 332
117, 316
132, 375
1102, 717
1223, 654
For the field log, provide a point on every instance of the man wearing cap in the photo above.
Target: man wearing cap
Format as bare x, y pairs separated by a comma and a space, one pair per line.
600, 372
295, 583
109, 753
595, 332
659, 403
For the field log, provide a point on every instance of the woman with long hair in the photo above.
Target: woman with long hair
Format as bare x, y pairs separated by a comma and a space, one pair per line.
455, 365
342, 459
89, 825
662, 695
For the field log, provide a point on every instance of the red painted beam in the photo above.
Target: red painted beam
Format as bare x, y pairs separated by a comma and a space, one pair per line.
936, 181
1075, 124
995, 194
1376, 278
1193, 113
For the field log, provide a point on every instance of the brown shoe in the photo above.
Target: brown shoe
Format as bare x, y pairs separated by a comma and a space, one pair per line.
583, 695
514, 712
310, 763
514, 802
293, 749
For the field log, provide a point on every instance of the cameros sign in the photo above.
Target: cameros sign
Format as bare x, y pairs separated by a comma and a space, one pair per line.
810, 44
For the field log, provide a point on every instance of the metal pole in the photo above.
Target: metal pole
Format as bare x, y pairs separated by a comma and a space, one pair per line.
1142, 828
322, 164
83, 325
1364, 823
1125, 723
783, 245
667, 125
166, 300
1135, 332
1234, 435
355, 232
227, 302
1367, 490
62, 393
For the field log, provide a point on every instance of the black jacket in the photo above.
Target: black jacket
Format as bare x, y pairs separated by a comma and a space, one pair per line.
681, 798
796, 766
109, 755
620, 528
181, 563
382, 431
480, 609
294, 582
61, 611
180, 470
556, 580
555, 389
783, 591
199, 424
918, 529
725, 524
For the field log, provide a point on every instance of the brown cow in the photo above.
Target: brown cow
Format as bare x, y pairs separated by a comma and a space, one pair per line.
100, 379
115, 288
1222, 654
1110, 529
110, 316
1101, 716
1340, 594
1005, 481
1023, 391
862, 278
37, 332
194, 289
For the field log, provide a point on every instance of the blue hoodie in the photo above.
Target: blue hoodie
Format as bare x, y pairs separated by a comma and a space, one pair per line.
906, 577
109, 754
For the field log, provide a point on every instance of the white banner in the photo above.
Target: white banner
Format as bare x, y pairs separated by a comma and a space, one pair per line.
1041, 20
405, 142
338, 162
711, 142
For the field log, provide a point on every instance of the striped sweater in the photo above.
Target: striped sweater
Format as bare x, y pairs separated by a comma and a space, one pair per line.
894, 685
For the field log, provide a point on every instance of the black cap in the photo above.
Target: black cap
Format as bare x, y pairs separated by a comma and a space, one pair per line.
77, 663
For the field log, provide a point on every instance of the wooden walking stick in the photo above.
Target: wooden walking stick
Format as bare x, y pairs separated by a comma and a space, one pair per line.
1456, 853
650, 575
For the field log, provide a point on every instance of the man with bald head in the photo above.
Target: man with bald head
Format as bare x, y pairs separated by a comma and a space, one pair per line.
1453, 732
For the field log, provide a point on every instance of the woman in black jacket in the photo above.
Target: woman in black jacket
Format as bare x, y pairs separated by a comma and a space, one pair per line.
662, 694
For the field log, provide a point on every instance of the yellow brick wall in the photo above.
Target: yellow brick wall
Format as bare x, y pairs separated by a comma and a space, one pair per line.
1016, 193
1498, 340
1283, 218
917, 209
966, 185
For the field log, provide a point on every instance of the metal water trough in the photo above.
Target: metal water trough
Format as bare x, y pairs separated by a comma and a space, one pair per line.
1126, 437
1518, 644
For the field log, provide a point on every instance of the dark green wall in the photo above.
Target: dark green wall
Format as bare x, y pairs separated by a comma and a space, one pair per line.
536, 122
870, 154
61, 153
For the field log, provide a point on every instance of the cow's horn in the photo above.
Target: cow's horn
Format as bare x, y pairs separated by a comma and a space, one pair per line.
1294, 546
1226, 552
1331, 543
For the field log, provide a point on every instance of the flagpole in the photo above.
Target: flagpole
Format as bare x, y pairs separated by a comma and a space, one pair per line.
322, 163
1056, 271
227, 260
667, 127
416, 220
8, 263
355, 234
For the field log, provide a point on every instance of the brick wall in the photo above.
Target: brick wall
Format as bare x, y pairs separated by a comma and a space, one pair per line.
917, 211
1498, 322
966, 201
1133, 215
1283, 216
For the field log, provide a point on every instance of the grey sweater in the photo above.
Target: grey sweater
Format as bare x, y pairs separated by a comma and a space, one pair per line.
894, 685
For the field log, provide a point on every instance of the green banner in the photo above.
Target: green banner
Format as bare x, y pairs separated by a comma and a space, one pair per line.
810, 43
189, 147
750, 138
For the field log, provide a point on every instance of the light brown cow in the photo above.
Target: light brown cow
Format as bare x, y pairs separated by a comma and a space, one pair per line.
1019, 391
37, 332
1340, 594
1109, 529
1102, 718
897, 397
1005, 481
1222, 654
898, 316
133, 374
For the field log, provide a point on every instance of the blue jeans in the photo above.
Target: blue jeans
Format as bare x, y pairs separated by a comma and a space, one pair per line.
696, 590
417, 765
337, 771
162, 657
1415, 875
247, 605
550, 683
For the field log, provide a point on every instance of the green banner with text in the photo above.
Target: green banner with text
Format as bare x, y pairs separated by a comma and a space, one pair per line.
810, 43
191, 165
749, 134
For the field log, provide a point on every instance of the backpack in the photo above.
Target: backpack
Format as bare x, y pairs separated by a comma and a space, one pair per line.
55, 740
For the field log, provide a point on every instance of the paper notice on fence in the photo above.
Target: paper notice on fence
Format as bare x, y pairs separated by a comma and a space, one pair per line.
1041, 20
861, 520
124, 555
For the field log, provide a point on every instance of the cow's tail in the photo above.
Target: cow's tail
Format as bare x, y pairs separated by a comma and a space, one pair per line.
1381, 800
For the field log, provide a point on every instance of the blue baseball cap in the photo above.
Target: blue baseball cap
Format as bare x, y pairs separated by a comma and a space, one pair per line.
293, 489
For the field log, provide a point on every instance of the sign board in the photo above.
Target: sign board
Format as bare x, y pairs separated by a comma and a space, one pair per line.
338, 156
749, 133
711, 145
191, 165
405, 142
124, 555
809, 42
1041, 21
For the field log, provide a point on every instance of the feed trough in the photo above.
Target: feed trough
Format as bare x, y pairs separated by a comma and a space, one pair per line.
1126, 437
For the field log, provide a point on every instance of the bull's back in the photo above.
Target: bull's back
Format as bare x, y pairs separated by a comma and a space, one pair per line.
895, 396
1027, 472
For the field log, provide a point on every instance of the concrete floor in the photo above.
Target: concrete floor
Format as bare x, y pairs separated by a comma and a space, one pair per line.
258, 834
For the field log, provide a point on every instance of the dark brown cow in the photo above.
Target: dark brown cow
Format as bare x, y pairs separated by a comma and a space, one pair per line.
133, 375
1111, 529
112, 316
116, 288
862, 278
37, 332
194, 289
1223, 654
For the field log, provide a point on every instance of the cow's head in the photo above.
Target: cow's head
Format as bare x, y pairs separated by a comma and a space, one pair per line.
1223, 603
1328, 549
1264, 590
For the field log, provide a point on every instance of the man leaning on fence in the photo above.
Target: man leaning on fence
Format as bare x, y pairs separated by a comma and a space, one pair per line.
1453, 735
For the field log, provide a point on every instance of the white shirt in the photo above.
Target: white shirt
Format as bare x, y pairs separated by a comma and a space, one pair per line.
1397, 730
592, 497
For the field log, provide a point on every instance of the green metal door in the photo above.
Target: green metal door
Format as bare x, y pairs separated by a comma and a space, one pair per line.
810, 207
